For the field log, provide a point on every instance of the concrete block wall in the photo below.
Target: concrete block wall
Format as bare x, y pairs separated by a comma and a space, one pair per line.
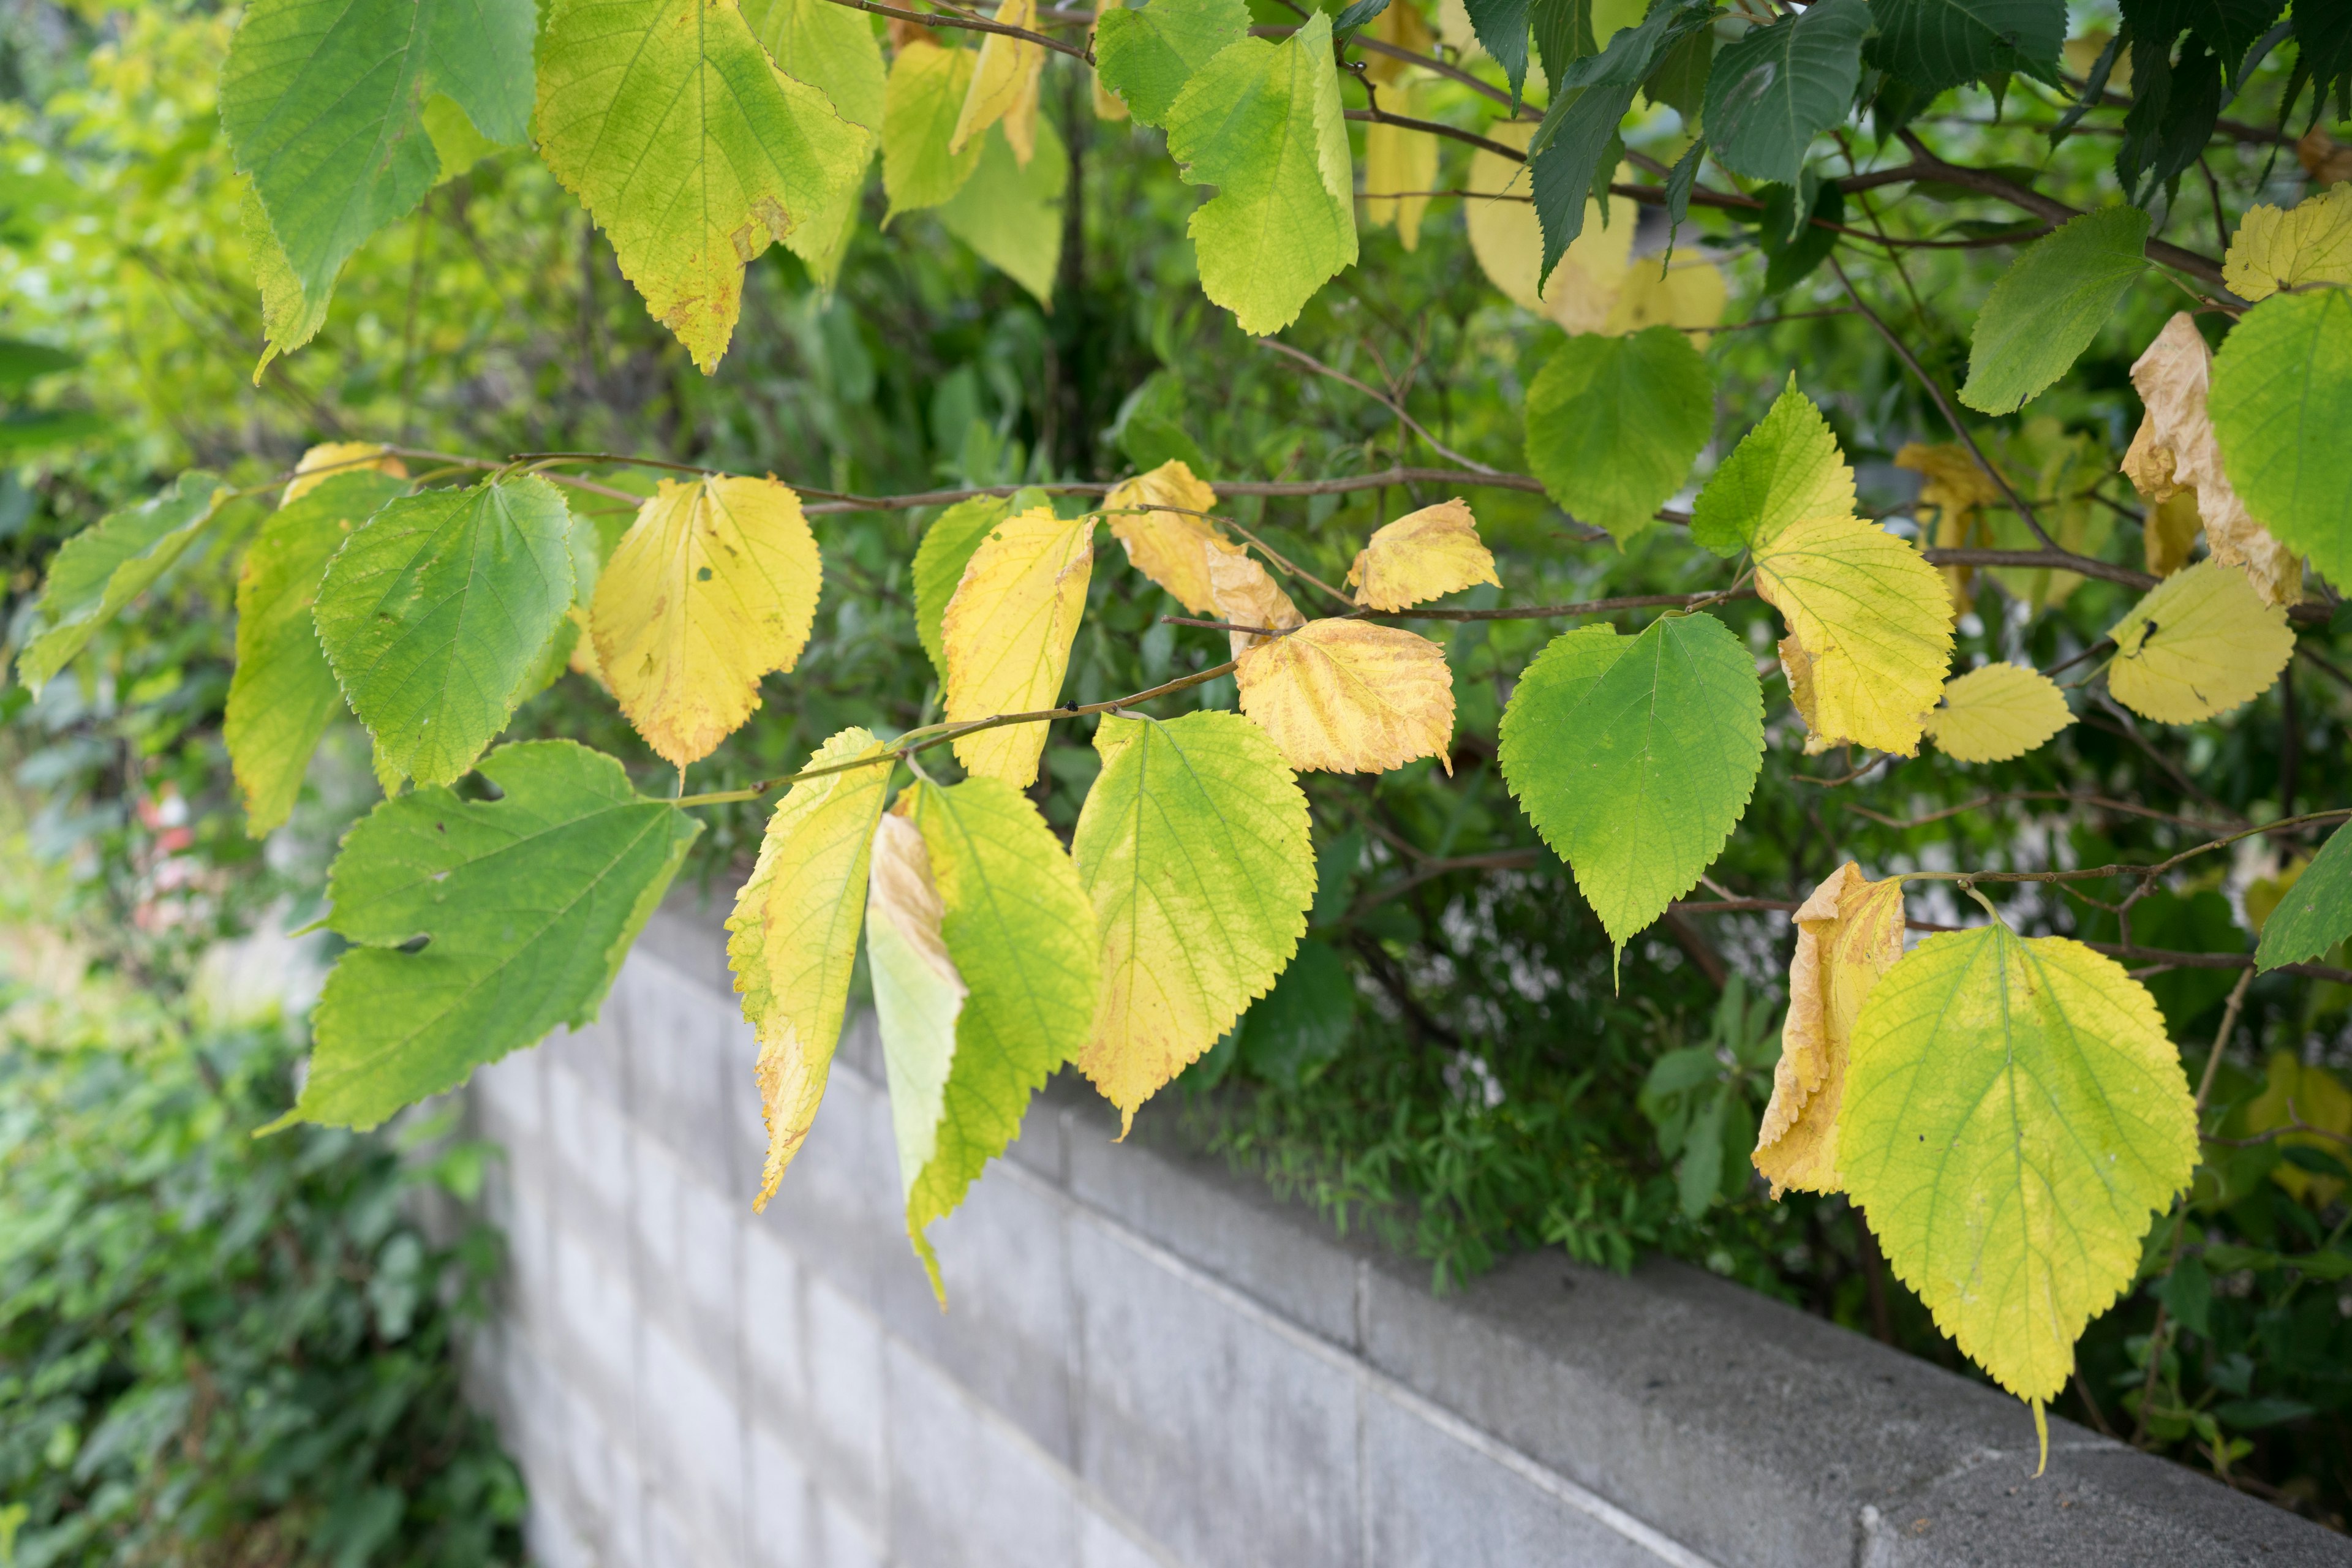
1148, 1362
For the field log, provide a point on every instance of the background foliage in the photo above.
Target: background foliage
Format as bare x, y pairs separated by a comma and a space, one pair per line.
1447, 1061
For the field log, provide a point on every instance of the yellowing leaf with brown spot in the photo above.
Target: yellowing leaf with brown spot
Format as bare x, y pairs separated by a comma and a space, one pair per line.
2000, 711
1168, 546
2175, 449
1849, 933
1244, 593
1874, 622
1007, 636
2202, 642
1346, 697
713, 587
793, 939
1421, 555
326, 459
1953, 492
2308, 243
1004, 85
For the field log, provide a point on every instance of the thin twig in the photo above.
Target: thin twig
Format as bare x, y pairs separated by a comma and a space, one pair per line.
1391, 403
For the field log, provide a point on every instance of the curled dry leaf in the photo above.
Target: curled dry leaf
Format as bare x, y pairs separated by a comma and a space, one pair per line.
1849, 933
713, 587
1345, 697
2201, 642
1007, 634
324, 461
1421, 555
1168, 546
2175, 449
2308, 243
1998, 713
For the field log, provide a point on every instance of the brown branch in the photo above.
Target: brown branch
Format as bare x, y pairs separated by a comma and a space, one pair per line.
2055, 559
1391, 403
970, 24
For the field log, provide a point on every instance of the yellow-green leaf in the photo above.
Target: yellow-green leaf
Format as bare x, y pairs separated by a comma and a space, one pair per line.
1004, 87
2202, 642
940, 561
1007, 636
1193, 847
920, 106
2309, 243
1998, 713
1869, 628
105, 566
1010, 211
1422, 555
329, 459
2013, 1114
834, 48
793, 939
1347, 697
1787, 470
713, 587
688, 147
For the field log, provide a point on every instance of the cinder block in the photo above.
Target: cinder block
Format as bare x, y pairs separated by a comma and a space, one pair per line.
658, 1248
671, 1543
1042, 1147
779, 1507
507, 1094
710, 1273
594, 1052
775, 1367
609, 1494
694, 1452
839, 1207
1006, 1335
597, 1343
1226, 1438
1104, 1544
592, 1157
1432, 1502
689, 930
547, 1530
966, 1489
844, 1539
845, 1419
529, 1287
677, 1075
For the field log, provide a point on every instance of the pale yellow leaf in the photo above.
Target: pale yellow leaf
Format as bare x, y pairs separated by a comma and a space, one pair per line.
2202, 642
1400, 26
2175, 449
1347, 697
1007, 636
1686, 293
1509, 242
793, 937
714, 586
1168, 546
1874, 621
2168, 534
1004, 85
1244, 593
1400, 162
1849, 933
326, 459
2309, 243
2317, 1099
2000, 711
1421, 555
1953, 490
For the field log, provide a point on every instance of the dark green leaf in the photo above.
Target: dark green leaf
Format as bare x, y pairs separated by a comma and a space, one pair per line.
1937, 44
1502, 29
2050, 305
21, 361
1304, 1021
1563, 33
2316, 913
1779, 87
108, 564
1792, 251
1614, 423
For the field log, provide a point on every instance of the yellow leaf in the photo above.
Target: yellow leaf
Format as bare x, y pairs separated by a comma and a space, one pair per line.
1509, 242
2175, 449
1244, 593
2202, 642
1953, 492
2000, 711
1399, 158
793, 939
1346, 697
2264, 894
2314, 1097
1004, 85
1400, 26
1168, 546
1685, 293
2169, 536
1108, 105
713, 587
2310, 243
1874, 622
582, 660
1849, 933
1007, 636
1421, 555
324, 461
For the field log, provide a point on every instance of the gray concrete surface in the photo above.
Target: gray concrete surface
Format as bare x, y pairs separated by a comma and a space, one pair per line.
1148, 1362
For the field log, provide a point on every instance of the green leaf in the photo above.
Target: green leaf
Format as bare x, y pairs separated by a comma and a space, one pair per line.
2050, 305
283, 694
1786, 470
433, 615
687, 147
1792, 249
2013, 1113
947, 549
1937, 44
22, 364
919, 108
1193, 847
1304, 1021
833, 48
1012, 215
1018, 927
1261, 123
1146, 54
2281, 404
1563, 35
1502, 29
1613, 424
1778, 86
323, 101
525, 904
109, 563
1634, 758
2316, 913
